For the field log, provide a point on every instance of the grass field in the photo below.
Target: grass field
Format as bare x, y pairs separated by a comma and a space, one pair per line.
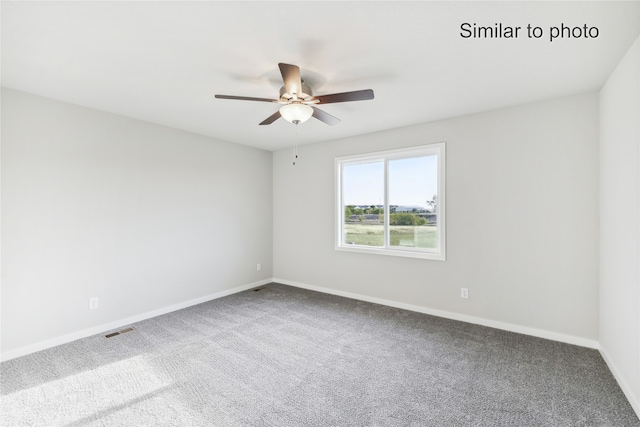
421, 236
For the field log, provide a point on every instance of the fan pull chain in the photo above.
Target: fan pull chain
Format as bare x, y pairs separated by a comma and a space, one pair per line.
295, 146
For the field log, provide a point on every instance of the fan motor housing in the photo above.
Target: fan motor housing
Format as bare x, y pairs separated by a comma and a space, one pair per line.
306, 93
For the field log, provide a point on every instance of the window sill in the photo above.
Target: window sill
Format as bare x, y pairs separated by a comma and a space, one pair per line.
437, 256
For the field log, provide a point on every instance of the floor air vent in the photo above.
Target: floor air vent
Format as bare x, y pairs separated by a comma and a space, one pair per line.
124, 331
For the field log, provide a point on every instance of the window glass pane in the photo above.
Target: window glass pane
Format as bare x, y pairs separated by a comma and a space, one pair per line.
363, 204
413, 218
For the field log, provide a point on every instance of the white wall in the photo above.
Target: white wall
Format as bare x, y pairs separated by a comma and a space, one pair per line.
620, 223
522, 221
142, 216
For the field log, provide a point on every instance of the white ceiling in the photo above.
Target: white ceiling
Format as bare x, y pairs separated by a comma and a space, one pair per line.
163, 61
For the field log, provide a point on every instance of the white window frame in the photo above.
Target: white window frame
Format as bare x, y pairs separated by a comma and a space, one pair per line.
438, 253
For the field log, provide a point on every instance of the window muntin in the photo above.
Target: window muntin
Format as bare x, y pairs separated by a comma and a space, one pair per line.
392, 202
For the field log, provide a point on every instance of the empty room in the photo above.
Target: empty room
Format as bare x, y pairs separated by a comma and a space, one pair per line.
320, 213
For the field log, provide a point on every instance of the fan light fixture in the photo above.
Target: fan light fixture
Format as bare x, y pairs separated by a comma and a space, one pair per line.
296, 113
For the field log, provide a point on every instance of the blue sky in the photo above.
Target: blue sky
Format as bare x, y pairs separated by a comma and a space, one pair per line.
412, 182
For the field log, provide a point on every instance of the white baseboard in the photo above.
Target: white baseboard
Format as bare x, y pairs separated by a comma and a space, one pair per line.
555, 336
43, 345
626, 389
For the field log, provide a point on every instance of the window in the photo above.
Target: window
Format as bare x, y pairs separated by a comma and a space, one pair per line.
392, 202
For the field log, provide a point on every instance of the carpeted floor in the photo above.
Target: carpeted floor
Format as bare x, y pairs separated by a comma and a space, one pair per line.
284, 356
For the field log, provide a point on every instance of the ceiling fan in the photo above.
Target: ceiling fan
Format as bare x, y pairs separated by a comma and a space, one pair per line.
298, 101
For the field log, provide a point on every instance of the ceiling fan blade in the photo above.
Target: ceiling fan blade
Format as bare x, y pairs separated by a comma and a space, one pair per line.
291, 78
272, 118
323, 116
245, 98
357, 95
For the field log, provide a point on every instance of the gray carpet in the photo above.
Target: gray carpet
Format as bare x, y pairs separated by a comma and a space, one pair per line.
283, 356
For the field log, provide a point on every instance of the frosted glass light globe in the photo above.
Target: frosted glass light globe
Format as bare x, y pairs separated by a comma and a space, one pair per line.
296, 113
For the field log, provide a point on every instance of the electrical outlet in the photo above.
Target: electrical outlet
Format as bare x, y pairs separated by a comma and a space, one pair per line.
258, 267
93, 303
464, 293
